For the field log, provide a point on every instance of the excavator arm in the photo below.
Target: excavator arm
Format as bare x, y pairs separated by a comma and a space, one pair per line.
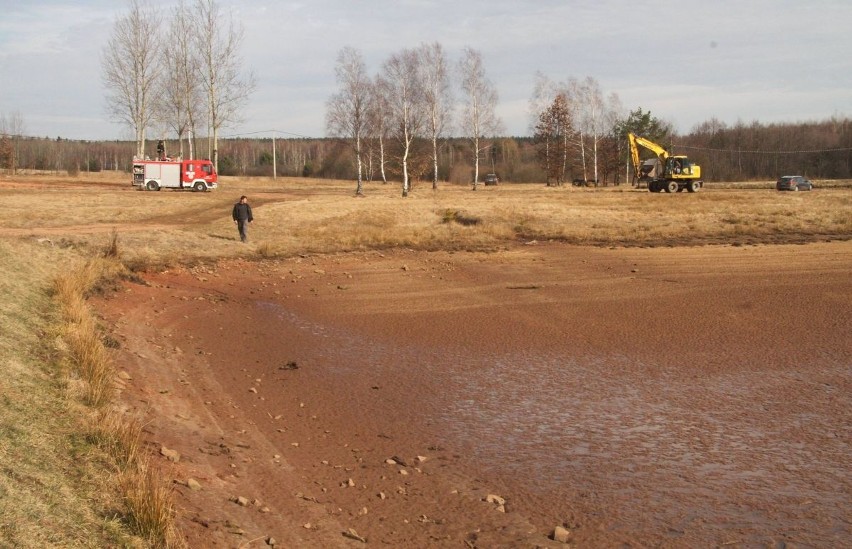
635, 142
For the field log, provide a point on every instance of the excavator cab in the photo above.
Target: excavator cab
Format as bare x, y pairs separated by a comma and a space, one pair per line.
680, 167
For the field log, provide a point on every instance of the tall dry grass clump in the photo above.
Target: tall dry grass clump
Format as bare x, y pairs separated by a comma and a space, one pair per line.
88, 354
148, 500
150, 504
80, 331
118, 436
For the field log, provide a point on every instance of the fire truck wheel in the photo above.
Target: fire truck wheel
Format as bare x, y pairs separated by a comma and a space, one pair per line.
200, 187
153, 186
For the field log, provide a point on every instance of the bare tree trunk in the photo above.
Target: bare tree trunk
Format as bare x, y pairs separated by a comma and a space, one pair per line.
218, 43
437, 98
347, 111
480, 101
401, 86
131, 68
382, 159
434, 163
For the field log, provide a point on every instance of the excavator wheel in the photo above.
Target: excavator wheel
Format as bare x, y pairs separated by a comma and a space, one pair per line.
693, 186
671, 187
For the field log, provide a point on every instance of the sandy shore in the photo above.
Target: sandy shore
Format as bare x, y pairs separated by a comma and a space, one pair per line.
674, 397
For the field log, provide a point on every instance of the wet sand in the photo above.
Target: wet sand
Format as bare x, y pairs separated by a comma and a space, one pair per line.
674, 397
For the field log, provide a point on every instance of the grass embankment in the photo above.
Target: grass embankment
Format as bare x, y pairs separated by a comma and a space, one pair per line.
72, 472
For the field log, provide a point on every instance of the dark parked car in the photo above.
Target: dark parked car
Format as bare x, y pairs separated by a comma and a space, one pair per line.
491, 179
793, 183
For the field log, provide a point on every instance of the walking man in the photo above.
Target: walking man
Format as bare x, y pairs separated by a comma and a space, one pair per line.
242, 217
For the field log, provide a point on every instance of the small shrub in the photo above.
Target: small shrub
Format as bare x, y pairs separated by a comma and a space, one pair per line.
266, 250
112, 250
462, 218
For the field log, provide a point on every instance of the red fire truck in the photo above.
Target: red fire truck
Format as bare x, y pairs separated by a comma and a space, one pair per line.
153, 175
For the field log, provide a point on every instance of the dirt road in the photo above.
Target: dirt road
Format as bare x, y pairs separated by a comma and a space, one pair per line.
686, 397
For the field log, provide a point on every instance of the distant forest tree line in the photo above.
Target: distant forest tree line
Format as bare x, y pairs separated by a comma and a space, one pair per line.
742, 152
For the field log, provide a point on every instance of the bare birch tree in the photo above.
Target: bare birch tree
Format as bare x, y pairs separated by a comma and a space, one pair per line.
544, 92
402, 85
437, 98
378, 114
182, 95
218, 42
479, 101
594, 115
347, 110
131, 65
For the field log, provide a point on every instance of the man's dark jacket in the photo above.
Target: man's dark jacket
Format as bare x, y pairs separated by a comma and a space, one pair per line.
242, 212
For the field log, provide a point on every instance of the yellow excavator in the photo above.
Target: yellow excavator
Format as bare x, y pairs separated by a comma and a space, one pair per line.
666, 173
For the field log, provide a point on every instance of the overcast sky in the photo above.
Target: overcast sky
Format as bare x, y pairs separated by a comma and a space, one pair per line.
686, 61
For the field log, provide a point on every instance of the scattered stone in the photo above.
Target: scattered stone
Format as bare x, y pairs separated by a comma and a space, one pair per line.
560, 534
421, 459
193, 484
265, 509
350, 483
252, 390
307, 526
362, 512
294, 444
241, 501
291, 365
352, 534
171, 455
270, 541
382, 495
498, 501
124, 375
403, 472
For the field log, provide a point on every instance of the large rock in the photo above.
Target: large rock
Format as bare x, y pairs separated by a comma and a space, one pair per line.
560, 534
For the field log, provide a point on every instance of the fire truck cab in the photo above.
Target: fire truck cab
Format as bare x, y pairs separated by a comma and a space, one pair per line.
153, 175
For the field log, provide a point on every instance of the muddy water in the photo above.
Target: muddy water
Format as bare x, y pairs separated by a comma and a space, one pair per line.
650, 453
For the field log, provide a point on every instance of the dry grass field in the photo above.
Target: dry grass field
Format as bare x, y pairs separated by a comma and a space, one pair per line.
304, 215
59, 486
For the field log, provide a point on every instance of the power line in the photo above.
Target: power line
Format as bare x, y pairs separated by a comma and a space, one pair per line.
811, 151
268, 131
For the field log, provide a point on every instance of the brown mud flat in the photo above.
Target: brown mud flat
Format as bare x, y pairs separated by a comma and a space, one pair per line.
687, 397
